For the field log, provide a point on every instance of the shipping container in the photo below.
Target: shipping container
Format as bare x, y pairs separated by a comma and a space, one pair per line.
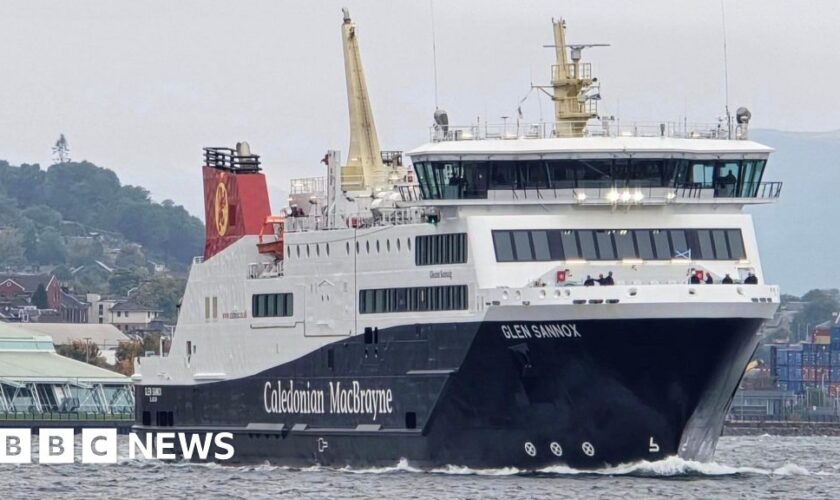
822, 375
834, 390
794, 357
835, 374
822, 340
807, 374
835, 357
796, 387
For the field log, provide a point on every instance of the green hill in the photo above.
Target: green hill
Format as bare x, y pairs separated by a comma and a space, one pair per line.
62, 215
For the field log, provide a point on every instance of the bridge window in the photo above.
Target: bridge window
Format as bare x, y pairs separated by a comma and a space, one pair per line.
472, 179
413, 299
272, 305
615, 244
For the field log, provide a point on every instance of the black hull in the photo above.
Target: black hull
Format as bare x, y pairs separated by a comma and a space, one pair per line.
582, 393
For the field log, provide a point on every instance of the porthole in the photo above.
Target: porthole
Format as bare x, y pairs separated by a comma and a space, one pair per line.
408, 243
289, 252
377, 246
388, 246
307, 249
367, 246
357, 247
347, 248
297, 250
328, 249
398, 244
317, 250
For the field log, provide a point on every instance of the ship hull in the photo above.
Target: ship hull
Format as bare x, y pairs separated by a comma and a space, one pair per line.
586, 394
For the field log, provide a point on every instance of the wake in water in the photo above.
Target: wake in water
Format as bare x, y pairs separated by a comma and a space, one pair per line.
668, 467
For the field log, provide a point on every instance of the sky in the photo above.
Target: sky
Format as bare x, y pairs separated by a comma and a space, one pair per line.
140, 87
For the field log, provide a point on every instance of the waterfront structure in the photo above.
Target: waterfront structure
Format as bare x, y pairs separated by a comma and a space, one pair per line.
450, 320
106, 337
41, 388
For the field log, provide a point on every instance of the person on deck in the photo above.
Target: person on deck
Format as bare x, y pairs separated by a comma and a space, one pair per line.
694, 279
709, 280
751, 279
589, 281
609, 279
727, 280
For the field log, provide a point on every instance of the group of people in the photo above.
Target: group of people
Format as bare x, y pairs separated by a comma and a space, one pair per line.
602, 280
751, 279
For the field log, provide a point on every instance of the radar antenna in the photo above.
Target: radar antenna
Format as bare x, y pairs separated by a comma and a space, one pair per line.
573, 89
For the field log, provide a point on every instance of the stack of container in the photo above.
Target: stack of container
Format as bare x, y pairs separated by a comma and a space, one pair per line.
797, 368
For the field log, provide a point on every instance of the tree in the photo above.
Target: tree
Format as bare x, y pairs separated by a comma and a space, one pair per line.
123, 280
11, 247
83, 251
39, 298
51, 247
61, 150
126, 353
162, 292
83, 350
820, 307
131, 255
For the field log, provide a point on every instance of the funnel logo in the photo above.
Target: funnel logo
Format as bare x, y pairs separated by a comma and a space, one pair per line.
222, 209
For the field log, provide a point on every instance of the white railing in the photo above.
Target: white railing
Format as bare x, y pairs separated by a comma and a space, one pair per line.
591, 128
378, 218
306, 185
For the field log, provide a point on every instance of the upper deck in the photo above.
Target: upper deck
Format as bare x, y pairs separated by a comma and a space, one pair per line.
622, 168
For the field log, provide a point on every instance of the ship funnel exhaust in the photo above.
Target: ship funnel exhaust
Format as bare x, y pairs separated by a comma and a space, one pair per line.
235, 196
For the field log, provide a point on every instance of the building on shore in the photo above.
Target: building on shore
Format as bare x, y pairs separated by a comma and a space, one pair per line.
40, 388
106, 337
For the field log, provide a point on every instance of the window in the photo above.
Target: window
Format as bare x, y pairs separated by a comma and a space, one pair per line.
414, 299
624, 244
438, 249
605, 246
617, 244
522, 245
736, 244
472, 179
644, 245
269, 305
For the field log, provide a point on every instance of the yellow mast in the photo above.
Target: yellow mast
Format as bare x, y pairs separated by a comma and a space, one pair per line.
570, 81
364, 169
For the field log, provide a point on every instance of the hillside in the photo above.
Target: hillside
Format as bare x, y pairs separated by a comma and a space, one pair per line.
798, 243
75, 214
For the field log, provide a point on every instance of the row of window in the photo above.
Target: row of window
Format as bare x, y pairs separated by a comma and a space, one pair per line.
439, 249
617, 244
317, 249
272, 305
472, 179
414, 299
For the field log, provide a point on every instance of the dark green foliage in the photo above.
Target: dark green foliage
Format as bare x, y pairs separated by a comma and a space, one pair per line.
42, 203
39, 298
820, 306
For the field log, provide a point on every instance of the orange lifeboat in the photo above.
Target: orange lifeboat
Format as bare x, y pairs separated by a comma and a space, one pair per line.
274, 225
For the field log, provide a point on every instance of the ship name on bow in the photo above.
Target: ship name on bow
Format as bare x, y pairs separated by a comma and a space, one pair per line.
544, 331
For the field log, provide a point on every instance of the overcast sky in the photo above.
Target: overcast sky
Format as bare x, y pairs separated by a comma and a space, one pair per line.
140, 87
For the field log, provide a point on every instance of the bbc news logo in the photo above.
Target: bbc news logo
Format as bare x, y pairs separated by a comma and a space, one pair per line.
99, 446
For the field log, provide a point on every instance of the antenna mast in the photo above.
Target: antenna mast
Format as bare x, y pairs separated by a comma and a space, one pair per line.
434, 50
725, 73
574, 91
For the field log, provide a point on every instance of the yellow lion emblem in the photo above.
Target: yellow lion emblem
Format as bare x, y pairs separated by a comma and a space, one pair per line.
222, 209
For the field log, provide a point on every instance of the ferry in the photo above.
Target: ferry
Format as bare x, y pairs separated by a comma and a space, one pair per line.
585, 292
